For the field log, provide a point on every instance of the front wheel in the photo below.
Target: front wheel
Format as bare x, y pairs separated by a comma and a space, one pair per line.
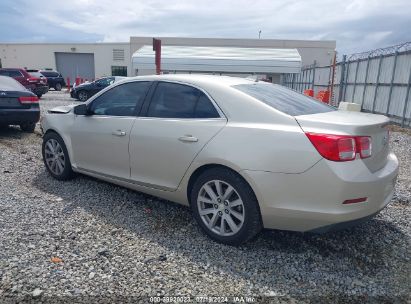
225, 207
55, 157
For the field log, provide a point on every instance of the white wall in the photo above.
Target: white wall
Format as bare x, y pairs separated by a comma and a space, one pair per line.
42, 55
320, 50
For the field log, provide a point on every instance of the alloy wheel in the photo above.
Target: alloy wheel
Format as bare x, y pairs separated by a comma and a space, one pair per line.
82, 96
221, 208
54, 156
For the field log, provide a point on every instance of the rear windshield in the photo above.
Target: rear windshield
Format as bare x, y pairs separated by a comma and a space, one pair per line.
36, 74
9, 84
284, 99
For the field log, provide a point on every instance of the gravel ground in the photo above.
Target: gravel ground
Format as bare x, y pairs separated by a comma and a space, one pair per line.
87, 240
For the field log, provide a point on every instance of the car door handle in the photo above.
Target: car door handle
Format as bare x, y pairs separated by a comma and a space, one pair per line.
119, 133
188, 138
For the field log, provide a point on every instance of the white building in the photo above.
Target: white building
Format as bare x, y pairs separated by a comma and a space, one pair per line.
94, 60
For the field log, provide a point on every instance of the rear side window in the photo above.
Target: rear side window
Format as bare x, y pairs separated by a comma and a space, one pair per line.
49, 74
9, 84
172, 100
284, 99
14, 73
105, 81
36, 74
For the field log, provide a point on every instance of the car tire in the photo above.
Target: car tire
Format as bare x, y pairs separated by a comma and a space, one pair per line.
57, 87
220, 209
82, 95
55, 157
28, 127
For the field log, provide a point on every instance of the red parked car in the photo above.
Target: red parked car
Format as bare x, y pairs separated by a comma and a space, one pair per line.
33, 82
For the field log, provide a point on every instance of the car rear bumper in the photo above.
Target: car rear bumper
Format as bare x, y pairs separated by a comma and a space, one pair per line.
40, 90
19, 116
313, 200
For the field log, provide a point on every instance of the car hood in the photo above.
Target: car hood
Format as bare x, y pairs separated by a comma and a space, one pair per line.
62, 109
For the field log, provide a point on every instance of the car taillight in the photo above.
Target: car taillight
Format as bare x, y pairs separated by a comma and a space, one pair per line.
364, 146
33, 79
340, 147
28, 99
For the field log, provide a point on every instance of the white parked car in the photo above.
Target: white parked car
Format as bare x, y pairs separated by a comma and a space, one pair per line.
243, 154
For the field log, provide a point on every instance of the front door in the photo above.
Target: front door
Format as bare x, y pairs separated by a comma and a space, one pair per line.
100, 140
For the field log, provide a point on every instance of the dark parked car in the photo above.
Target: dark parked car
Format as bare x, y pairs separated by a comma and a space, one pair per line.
54, 79
85, 90
18, 106
33, 82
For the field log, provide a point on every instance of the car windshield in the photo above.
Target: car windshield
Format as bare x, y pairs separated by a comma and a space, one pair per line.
9, 84
283, 99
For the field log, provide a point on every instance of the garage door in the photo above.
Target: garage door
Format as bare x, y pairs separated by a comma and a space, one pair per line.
75, 65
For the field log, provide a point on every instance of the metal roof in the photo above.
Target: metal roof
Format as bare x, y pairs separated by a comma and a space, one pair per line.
219, 59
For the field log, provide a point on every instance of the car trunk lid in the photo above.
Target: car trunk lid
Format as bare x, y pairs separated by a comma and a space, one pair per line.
355, 124
10, 100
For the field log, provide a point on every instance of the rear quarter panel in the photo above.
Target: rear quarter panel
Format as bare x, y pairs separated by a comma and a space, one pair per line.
261, 147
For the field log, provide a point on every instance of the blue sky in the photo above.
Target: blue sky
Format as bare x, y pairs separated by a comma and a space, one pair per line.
356, 25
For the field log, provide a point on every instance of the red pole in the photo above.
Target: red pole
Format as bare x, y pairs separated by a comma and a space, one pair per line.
157, 49
68, 84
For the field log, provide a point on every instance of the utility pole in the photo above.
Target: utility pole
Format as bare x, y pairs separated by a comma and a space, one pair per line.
259, 34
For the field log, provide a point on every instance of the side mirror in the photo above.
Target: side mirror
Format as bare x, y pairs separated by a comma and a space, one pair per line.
81, 110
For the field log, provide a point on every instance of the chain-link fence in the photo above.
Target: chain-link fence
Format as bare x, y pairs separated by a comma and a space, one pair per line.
378, 80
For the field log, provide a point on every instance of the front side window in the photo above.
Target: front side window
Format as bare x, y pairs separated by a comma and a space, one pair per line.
122, 100
172, 100
283, 99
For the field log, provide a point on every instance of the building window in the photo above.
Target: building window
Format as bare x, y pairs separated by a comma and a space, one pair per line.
118, 71
118, 55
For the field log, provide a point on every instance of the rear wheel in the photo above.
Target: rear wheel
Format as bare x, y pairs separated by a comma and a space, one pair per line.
57, 87
55, 157
28, 127
225, 206
82, 95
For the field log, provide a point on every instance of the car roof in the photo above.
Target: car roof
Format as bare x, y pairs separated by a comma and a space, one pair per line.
195, 79
20, 69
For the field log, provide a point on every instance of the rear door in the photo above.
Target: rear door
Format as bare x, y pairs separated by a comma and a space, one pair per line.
100, 141
177, 124
51, 77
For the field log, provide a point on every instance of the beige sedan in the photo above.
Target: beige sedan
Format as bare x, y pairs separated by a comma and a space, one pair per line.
245, 155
